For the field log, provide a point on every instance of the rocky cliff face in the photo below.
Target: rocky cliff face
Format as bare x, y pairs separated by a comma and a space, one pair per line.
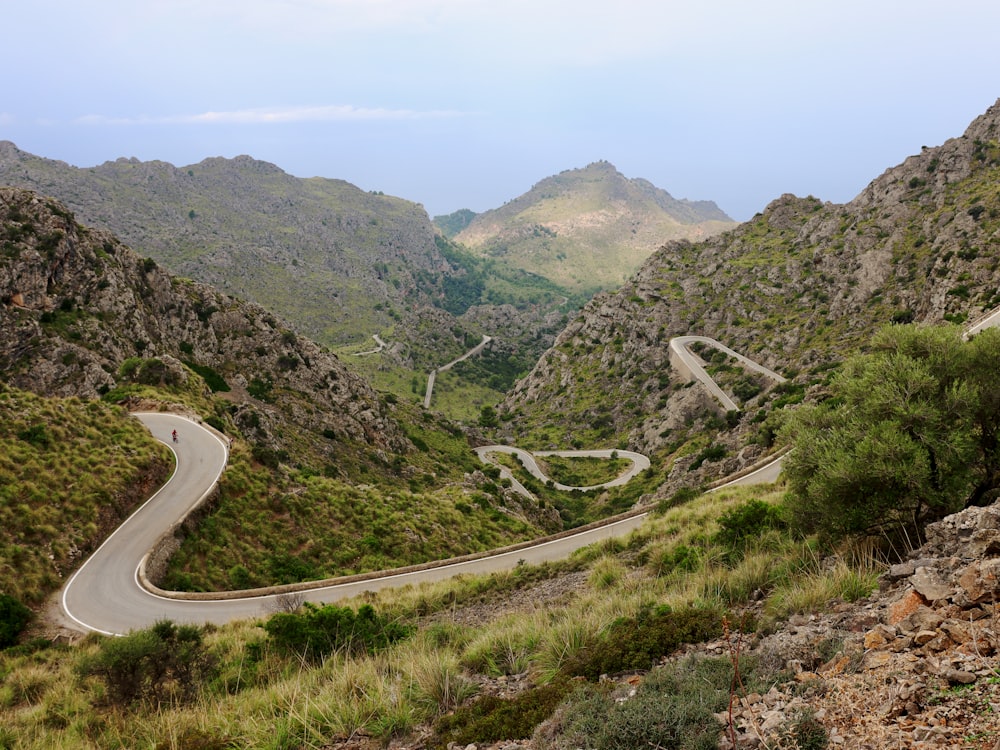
75, 303
795, 288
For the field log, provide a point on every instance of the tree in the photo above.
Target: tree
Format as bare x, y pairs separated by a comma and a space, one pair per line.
909, 435
488, 417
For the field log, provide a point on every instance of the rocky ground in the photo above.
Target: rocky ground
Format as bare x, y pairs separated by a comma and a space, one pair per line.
915, 665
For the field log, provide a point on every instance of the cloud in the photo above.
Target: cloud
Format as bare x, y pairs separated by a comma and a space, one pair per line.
6, 118
275, 116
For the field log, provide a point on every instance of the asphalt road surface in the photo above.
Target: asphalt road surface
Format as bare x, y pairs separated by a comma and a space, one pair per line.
106, 595
639, 464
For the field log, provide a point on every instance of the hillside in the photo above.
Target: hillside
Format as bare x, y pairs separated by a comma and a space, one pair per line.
248, 228
338, 263
795, 288
585, 229
81, 315
716, 624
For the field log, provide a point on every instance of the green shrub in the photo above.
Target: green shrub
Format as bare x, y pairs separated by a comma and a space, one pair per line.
672, 708
215, 382
14, 616
317, 632
746, 522
216, 422
491, 719
680, 558
162, 664
261, 389
37, 435
711, 453
806, 732
637, 642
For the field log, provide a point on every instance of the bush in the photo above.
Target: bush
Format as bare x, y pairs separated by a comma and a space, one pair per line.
673, 707
161, 664
636, 643
317, 632
711, 453
215, 382
14, 616
37, 435
491, 719
908, 437
744, 523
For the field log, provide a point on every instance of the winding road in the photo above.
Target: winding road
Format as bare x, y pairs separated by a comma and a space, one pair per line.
107, 595
109, 592
639, 464
432, 375
688, 363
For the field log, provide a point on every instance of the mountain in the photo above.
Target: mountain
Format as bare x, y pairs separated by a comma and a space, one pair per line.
250, 229
585, 229
319, 458
338, 263
796, 288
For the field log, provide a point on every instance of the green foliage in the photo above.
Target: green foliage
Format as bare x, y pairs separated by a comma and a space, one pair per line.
152, 371
740, 526
260, 388
213, 421
680, 497
808, 732
162, 664
909, 435
212, 379
272, 458
14, 616
672, 708
316, 632
68, 469
491, 719
37, 435
488, 417
711, 453
637, 642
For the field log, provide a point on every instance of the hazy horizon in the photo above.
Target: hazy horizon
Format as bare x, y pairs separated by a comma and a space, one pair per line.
467, 104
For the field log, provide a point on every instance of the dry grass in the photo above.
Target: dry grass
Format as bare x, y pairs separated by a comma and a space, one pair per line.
274, 701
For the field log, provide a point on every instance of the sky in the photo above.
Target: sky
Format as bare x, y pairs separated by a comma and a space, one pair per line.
468, 103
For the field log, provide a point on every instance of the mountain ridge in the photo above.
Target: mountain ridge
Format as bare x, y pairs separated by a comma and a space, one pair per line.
796, 288
593, 218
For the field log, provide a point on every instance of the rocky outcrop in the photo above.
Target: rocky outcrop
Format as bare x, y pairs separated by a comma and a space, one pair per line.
796, 288
921, 655
75, 304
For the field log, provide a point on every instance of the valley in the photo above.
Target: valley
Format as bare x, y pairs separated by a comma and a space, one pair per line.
855, 343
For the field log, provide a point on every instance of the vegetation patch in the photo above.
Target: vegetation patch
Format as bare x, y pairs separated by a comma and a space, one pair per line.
70, 470
635, 643
316, 632
491, 719
673, 707
163, 664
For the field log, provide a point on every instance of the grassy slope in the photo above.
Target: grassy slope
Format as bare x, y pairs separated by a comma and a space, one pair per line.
70, 471
292, 525
276, 701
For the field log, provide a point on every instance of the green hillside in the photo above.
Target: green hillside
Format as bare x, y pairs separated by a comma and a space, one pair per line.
586, 229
